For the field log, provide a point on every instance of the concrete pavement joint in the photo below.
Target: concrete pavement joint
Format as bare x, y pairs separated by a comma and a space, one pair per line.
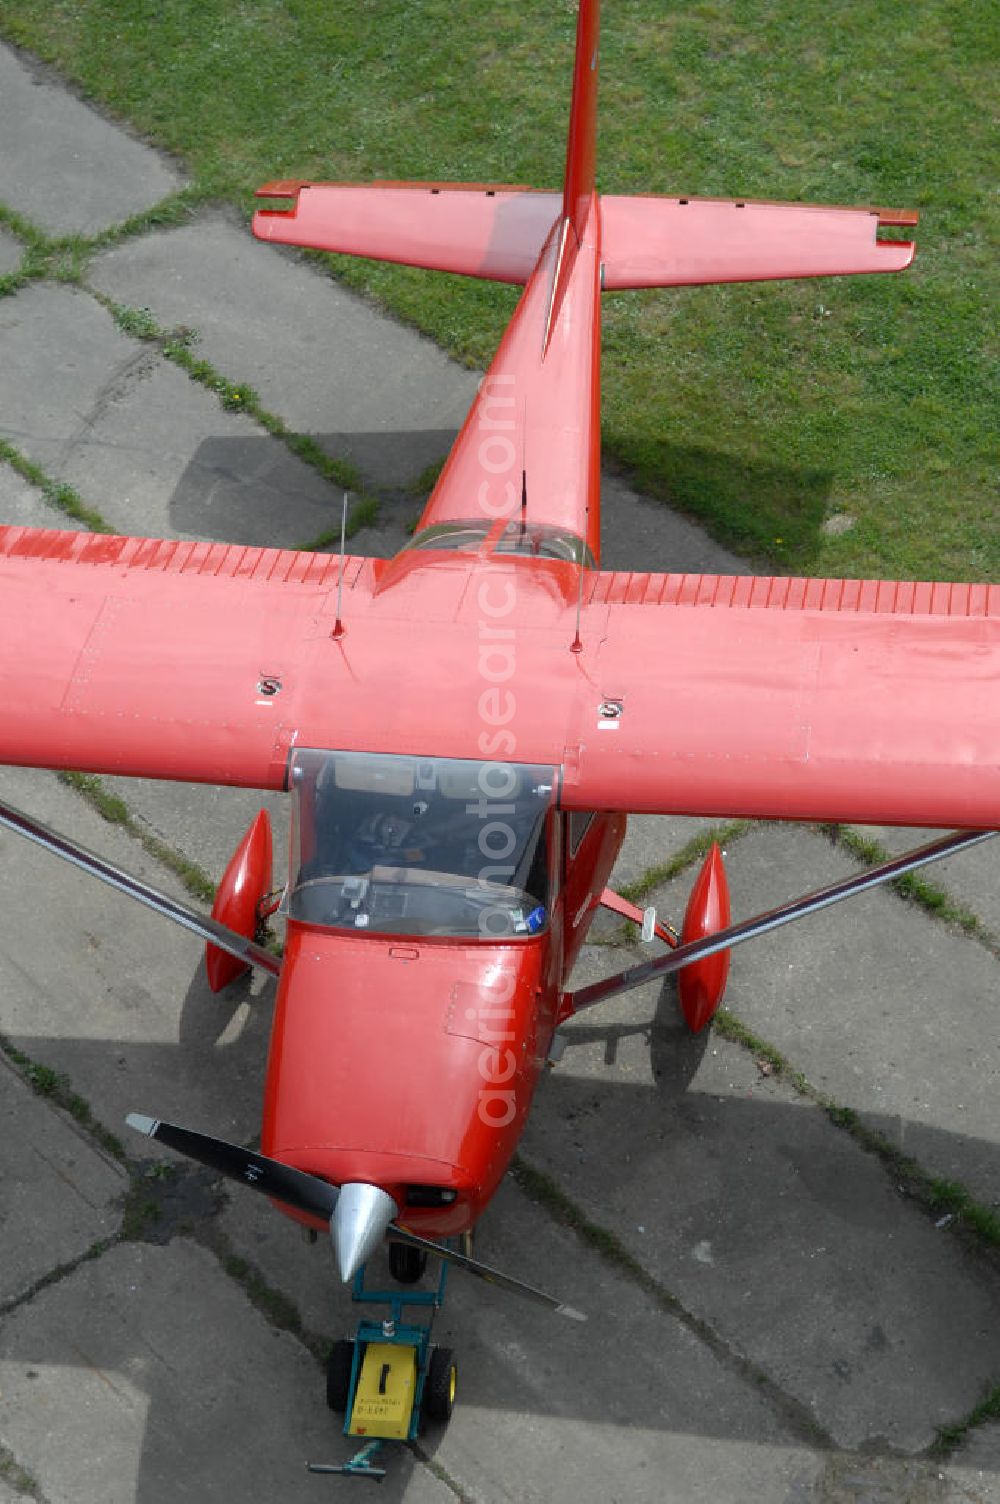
19, 1479
64, 497
58, 1273
699, 846
116, 812
913, 888
540, 1187
935, 1195
45, 1082
176, 345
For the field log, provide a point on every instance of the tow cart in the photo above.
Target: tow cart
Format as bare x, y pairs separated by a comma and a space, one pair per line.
389, 1379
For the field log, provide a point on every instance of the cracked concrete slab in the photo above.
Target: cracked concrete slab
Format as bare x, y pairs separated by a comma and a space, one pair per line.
766, 1221
268, 318
65, 167
59, 1190
113, 996
98, 1376
150, 450
838, 995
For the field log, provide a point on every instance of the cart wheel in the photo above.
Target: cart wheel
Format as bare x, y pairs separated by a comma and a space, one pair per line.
406, 1264
338, 1375
439, 1389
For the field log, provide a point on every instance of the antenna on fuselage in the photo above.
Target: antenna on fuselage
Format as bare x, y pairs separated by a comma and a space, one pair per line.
577, 644
338, 626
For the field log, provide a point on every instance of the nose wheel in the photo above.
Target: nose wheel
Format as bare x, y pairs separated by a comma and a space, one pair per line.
406, 1264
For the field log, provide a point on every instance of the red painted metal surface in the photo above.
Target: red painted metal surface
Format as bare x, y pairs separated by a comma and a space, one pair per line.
477, 229
581, 144
782, 698
246, 880
701, 985
673, 242
430, 1052
412, 1062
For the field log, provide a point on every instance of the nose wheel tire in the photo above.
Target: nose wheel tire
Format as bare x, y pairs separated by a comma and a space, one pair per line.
406, 1264
338, 1375
440, 1386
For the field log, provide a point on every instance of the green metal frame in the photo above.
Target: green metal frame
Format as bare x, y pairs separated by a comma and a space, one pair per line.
392, 1329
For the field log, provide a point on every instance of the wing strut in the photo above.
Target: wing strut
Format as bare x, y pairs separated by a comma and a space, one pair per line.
199, 924
749, 929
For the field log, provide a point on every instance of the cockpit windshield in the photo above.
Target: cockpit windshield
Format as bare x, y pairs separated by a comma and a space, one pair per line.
419, 845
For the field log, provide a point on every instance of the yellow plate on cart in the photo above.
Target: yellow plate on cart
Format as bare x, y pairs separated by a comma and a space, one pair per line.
387, 1383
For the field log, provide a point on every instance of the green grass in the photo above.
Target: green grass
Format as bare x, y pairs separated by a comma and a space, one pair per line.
58, 493
763, 410
194, 878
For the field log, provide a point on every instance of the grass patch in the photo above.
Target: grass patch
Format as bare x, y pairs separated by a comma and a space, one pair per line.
764, 410
693, 851
913, 887
935, 1194
15, 1476
56, 492
116, 812
52, 1084
178, 346
364, 513
949, 1437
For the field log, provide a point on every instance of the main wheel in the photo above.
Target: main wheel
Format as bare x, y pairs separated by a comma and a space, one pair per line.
406, 1264
338, 1375
440, 1386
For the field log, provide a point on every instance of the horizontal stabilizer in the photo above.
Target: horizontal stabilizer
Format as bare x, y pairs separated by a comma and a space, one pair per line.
673, 242
472, 228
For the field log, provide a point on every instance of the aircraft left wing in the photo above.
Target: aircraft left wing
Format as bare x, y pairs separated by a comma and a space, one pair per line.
155, 658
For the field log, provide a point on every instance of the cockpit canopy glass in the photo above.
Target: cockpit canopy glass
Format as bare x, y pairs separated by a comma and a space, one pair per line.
419, 845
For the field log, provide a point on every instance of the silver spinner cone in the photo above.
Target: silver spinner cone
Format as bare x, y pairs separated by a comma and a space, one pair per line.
357, 1227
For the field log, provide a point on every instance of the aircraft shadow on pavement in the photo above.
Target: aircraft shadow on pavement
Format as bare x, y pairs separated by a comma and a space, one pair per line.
780, 1248
250, 489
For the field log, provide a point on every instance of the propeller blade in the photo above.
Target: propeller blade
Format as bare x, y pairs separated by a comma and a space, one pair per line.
302, 1192
397, 1234
307, 1193
123, 882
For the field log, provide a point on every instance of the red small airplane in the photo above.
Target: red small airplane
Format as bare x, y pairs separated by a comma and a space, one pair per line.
465, 727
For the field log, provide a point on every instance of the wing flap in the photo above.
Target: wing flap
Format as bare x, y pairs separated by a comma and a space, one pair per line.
649, 241
471, 228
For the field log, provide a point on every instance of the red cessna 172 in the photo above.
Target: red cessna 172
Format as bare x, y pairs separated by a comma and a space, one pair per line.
464, 728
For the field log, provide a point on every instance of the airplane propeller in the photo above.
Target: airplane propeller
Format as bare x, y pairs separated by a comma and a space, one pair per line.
359, 1216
